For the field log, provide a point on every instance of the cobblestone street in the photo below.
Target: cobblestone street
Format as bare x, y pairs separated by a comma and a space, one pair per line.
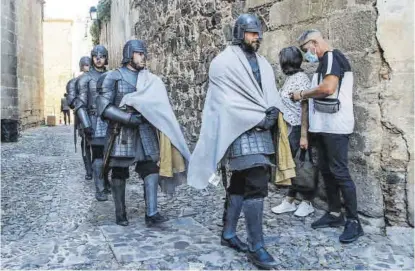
51, 220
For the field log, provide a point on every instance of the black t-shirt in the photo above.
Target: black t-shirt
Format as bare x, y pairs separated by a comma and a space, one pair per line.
333, 63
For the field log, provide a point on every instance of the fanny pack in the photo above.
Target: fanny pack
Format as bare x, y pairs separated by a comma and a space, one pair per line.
328, 105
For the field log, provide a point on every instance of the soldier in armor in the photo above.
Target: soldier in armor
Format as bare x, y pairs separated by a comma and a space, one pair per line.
239, 119
93, 127
72, 93
138, 123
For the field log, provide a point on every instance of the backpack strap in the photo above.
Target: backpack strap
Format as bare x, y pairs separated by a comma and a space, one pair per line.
320, 75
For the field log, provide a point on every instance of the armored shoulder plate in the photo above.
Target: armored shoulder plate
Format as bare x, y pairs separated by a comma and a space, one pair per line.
129, 76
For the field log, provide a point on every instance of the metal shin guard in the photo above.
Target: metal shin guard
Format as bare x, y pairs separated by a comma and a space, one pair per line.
88, 161
85, 163
107, 184
118, 194
150, 193
253, 211
233, 211
99, 182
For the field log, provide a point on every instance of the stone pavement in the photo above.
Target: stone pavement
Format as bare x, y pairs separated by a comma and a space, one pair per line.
50, 220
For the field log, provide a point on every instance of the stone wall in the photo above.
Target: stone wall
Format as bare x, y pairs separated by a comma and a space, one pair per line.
58, 63
22, 62
30, 61
81, 41
9, 97
184, 36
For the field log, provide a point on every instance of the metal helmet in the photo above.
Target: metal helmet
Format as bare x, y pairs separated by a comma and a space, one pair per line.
101, 51
133, 46
85, 60
246, 23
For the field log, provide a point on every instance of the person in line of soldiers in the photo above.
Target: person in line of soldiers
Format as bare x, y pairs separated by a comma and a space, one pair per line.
92, 125
71, 91
240, 113
65, 109
140, 118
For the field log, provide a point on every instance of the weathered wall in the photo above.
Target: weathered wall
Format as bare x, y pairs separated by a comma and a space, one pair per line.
119, 30
30, 61
58, 62
81, 41
22, 61
184, 36
395, 33
9, 97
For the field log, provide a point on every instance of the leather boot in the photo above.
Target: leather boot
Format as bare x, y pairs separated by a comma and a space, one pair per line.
150, 196
118, 194
253, 210
99, 182
233, 211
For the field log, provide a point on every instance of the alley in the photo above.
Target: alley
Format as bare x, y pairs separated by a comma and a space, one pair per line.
50, 220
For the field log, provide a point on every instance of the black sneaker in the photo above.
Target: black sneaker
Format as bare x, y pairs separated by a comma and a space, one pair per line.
328, 220
352, 231
155, 219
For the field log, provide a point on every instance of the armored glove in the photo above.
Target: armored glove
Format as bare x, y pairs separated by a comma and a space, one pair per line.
89, 131
135, 120
270, 118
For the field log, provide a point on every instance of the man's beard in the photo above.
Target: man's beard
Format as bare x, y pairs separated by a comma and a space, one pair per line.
136, 66
252, 46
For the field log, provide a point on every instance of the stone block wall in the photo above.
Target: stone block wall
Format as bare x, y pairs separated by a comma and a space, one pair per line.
377, 36
22, 62
58, 63
30, 61
9, 96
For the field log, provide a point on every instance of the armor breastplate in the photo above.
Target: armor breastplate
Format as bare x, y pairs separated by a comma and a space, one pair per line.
100, 127
142, 143
92, 90
126, 85
252, 142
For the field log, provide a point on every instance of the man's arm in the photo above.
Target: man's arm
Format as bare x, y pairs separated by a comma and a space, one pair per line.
326, 88
304, 125
105, 99
71, 91
81, 102
331, 70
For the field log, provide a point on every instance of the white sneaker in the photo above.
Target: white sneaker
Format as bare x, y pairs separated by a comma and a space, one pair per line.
304, 209
284, 207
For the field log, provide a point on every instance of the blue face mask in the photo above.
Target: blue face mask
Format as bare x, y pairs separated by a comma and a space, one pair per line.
310, 57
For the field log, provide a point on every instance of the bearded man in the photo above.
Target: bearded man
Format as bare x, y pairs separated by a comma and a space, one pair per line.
239, 115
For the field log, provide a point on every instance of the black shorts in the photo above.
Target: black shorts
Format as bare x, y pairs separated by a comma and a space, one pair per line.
142, 168
251, 182
97, 152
